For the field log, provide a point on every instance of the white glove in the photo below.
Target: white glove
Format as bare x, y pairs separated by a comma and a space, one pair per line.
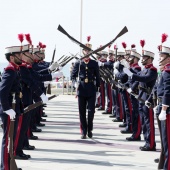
75, 85
155, 109
100, 64
44, 98
57, 74
116, 65
46, 83
147, 104
97, 95
125, 63
127, 71
11, 113
53, 66
162, 115
115, 71
119, 86
129, 90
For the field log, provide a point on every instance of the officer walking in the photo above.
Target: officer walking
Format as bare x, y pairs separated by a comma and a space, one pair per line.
87, 72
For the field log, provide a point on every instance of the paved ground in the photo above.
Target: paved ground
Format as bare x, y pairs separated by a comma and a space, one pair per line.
60, 148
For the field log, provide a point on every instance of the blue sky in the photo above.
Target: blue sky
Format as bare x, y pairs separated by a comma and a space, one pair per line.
102, 19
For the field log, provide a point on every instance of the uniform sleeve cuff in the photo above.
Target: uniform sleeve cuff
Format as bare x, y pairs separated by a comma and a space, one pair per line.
165, 105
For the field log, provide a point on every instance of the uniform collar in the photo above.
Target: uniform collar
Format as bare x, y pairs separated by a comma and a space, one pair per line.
149, 65
103, 60
165, 67
133, 65
36, 61
86, 60
14, 65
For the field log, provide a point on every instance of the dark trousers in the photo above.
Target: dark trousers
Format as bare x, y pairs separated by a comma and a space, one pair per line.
102, 95
5, 158
86, 125
147, 120
38, 114
127, 109
114, 106
22, 125
136, 123
119, 107
109, 97
165, 129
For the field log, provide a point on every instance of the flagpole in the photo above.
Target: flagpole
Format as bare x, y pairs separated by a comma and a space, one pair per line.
81, 23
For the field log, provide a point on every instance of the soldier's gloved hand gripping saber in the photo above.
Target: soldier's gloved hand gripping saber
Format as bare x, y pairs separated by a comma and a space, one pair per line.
123, 31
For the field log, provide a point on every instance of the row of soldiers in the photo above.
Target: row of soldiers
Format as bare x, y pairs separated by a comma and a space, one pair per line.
22, 85
133, 94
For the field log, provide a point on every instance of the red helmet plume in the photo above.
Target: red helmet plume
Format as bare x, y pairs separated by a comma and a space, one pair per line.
21, 37
40, 44
164, 37
124, 45
43, 46
109, 46
115, 47
28, 38
142, 43
159, 47
133, 46
88, 38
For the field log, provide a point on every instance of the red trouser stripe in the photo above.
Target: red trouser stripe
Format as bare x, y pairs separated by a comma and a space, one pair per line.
18, 133
6, 155
152, 136
139, 128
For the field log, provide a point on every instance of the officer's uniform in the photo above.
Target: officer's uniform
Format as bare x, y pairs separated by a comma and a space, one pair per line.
10, 90
147, 79
87, 71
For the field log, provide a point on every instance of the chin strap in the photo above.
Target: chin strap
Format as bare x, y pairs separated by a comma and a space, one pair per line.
28, 57
143, 62
163, 59
17, 58
38, 56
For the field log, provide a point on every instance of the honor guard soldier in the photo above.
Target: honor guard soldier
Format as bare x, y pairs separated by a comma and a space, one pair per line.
126, 106
113, 88
103, 59
87, 72
163, 91
133, 86
117, 69
10, 92
108, 65
29, 86
147, 79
